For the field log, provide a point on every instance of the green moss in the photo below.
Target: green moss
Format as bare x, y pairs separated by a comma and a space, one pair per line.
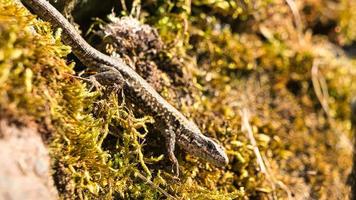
262, 62
35, 81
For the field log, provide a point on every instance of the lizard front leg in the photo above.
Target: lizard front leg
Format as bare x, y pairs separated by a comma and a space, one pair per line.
109, 77
170, 137
105, 76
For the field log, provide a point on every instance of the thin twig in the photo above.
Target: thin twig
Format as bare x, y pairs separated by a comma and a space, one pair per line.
150, 183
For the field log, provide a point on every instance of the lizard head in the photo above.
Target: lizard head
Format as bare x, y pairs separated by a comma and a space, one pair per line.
203, 147
192, 140
213, 152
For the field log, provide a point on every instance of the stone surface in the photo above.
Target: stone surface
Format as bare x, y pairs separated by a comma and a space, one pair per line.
24, 164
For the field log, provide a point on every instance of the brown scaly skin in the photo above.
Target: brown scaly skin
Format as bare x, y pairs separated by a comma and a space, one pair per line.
177, 128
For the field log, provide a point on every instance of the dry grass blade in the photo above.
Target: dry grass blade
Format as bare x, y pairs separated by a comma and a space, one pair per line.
320, 87
246, 125
261, 161
296, 15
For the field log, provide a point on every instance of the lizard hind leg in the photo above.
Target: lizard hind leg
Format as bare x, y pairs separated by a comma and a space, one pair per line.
170, 137
109, 77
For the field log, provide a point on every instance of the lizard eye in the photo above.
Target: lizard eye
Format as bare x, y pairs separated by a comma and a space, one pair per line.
211, 145
217, 143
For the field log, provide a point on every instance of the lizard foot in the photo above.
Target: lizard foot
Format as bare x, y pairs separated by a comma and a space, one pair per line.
170, 143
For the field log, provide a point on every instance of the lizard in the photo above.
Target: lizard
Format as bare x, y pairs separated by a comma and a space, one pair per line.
177, 128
